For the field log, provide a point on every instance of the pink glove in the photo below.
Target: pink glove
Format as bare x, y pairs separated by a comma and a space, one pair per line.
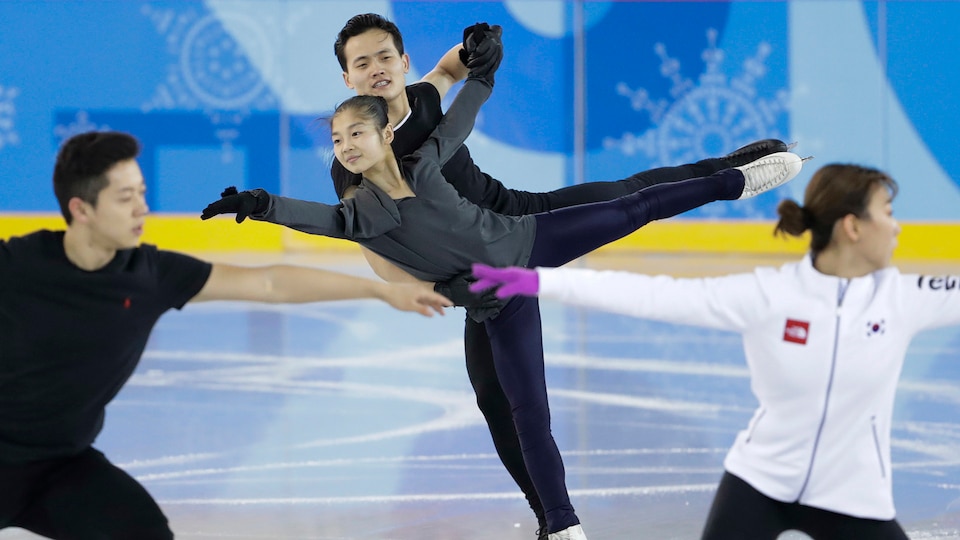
509, 281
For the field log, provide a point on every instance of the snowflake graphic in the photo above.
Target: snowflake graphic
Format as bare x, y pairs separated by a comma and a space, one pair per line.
8, 111
80, 124
210, 71
710, 118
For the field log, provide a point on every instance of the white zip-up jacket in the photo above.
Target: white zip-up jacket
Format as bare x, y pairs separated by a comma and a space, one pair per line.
824, 355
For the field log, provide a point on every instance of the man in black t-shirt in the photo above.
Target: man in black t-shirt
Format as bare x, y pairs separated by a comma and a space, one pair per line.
76, 310
370, 51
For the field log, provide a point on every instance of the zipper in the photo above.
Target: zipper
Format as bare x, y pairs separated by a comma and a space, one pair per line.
876, 445
842, 290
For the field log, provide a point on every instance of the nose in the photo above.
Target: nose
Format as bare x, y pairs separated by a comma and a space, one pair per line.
143, 208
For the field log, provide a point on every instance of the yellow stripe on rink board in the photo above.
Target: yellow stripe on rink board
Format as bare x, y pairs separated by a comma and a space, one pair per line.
919, 240
20, 224
190, 233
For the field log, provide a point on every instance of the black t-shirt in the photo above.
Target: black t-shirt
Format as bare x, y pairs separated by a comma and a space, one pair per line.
70, 339
460, 171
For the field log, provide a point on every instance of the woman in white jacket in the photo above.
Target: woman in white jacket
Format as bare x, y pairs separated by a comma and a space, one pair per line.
825, 339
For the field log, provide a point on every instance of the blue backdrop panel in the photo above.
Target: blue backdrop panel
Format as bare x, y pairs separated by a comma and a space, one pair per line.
236, 92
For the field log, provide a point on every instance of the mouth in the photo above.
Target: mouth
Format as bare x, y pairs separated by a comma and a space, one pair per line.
138, 230
380, 84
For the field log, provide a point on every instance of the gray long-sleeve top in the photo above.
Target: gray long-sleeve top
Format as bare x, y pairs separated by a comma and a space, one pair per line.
436, 234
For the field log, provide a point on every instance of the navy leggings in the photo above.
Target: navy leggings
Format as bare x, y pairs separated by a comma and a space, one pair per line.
478, 353
516, 336
79, 498
740, 512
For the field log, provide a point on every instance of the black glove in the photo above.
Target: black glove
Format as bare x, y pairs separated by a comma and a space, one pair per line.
457, 289
472, 35
242, 204
480, 306
485, 60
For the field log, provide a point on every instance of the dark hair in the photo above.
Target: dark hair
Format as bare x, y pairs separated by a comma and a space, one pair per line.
836, 190
373, 108
82, 164
359, 24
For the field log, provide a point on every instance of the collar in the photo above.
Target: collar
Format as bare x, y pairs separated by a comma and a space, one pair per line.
404, 119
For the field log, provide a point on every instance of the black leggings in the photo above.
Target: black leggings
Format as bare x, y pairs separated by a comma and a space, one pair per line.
81, 497
740, 512
512, 202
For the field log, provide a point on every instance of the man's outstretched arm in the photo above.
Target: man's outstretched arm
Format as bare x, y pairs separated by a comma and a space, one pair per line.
298, 284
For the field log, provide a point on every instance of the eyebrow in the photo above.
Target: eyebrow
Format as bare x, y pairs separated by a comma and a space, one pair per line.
350, 127
132, 188
366, 56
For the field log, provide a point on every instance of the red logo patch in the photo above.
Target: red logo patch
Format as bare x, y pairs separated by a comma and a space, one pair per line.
796, 331
126, 303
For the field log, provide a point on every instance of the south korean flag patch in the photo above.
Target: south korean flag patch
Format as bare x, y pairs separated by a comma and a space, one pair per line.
876, 328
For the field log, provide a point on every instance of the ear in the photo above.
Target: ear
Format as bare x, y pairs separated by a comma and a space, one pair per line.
388, 134
346, 81
850, 225
406, 62
79, 209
